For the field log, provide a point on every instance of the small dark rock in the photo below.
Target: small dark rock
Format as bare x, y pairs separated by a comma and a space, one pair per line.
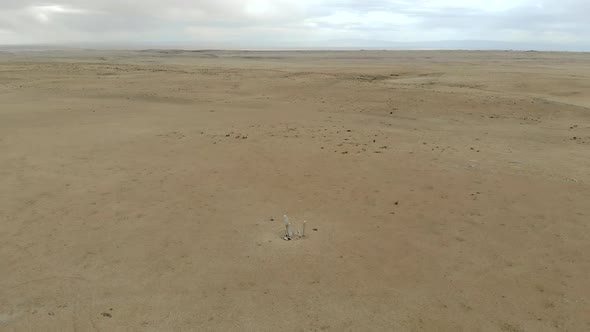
396, 203
106, 314
315, 229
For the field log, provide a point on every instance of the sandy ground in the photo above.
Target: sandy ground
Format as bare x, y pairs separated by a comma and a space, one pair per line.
443, 191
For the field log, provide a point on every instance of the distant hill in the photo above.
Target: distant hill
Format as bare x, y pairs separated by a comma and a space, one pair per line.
451, 45
338, 44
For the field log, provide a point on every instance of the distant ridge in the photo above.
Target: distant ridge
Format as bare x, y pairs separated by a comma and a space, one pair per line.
336, 44
453, 45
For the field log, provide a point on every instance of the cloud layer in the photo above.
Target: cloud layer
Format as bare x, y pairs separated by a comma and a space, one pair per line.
267, 23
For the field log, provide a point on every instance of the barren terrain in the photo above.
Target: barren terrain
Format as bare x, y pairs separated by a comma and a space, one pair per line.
443, 191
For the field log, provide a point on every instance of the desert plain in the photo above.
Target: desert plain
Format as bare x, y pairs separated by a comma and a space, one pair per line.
442, 190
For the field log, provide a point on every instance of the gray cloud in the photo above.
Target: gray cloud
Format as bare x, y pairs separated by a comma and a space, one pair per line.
281, 22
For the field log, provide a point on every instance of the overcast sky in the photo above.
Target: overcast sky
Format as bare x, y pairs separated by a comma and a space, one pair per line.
292, 22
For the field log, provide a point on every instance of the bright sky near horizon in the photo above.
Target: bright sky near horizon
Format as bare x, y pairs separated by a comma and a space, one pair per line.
292, 23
